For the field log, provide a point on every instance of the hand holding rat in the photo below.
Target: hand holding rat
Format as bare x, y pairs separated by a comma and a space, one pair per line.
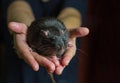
23, 51
70, 52
33, 59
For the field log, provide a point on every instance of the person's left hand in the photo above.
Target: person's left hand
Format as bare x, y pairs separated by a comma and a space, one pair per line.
70, 52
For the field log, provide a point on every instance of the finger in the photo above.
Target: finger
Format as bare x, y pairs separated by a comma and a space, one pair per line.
68, 56
29, 59
23, 50
59, 69
43, 61
79, 32
55, 60
17, 27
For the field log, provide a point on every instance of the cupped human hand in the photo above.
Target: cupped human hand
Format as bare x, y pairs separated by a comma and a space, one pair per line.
24, 52
71, 50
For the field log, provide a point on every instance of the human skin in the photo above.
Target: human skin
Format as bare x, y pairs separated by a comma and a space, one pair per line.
18, 22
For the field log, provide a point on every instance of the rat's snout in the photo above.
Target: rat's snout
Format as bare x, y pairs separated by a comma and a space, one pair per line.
57, 44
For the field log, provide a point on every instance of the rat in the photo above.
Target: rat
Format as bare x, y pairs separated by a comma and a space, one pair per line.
48, 37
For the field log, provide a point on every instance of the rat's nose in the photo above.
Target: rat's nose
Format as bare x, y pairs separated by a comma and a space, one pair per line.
57, 43
59, 47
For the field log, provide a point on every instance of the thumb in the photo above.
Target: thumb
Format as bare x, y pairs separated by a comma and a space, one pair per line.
17, 27
79, 32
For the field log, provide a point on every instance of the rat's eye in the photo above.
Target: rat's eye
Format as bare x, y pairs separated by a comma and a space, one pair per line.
44, 33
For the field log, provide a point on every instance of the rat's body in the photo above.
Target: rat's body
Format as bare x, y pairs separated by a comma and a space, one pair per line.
48, 37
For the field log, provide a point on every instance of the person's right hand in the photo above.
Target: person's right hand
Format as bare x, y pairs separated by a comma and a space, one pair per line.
24, 52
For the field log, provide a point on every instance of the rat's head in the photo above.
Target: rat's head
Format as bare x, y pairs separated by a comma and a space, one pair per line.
48, 36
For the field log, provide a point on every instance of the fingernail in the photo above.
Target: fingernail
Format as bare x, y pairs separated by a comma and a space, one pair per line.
51, 69
60, 72
36, 67
66, 63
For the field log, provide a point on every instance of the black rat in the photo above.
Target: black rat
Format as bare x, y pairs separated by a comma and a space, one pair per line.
48, 37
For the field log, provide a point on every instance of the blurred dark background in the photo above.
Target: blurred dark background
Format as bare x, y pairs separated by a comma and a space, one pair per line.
100, 62
2, 43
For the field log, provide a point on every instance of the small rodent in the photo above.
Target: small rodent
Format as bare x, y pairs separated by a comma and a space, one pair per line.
48, 37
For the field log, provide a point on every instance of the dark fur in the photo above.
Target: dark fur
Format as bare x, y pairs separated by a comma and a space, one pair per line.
48, 37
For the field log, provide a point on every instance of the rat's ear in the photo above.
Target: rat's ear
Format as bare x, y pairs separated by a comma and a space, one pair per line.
44, 33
